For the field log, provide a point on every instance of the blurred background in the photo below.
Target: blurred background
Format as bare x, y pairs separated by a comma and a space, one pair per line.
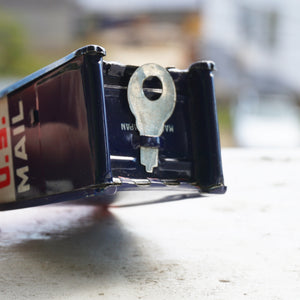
254, 43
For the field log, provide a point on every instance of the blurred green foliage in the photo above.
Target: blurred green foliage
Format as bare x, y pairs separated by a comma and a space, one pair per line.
11, 44
15, 58
225, 124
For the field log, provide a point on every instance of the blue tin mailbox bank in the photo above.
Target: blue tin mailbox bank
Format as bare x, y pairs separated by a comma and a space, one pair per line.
82, 126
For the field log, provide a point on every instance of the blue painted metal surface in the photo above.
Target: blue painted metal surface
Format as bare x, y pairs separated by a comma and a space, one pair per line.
81, 138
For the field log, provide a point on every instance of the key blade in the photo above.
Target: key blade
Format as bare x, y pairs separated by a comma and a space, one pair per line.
149, 158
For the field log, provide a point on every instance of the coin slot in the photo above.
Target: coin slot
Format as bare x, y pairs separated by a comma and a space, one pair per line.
152, 88
34, 117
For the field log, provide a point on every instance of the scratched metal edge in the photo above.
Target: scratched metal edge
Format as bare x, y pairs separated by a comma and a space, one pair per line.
28, 79
104, 195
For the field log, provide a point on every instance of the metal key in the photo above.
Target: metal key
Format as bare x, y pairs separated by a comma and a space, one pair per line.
151, 115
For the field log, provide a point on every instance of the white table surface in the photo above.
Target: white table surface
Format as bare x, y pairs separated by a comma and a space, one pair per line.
241, 245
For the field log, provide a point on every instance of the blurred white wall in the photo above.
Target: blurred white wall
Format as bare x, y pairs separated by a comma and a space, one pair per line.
121, 7
262, 36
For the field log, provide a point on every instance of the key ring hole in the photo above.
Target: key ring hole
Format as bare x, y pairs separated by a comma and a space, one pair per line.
152, 88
